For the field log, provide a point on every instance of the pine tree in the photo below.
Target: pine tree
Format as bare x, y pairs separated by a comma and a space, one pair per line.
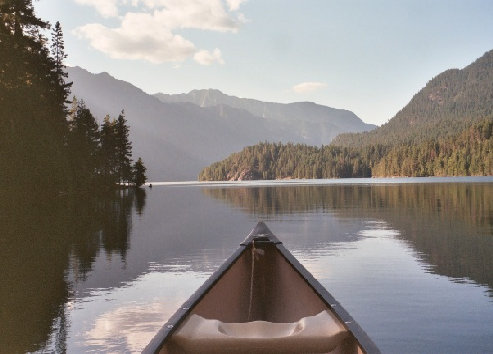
58, 55
83, 144
139, 177
109, 162
123, 149
32, 120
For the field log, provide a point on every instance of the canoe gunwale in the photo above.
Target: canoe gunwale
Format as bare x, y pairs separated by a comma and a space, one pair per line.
346, 319
178, 317
261, 234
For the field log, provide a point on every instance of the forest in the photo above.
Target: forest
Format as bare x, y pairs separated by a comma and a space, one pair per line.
469, 153
445, 130
45, 140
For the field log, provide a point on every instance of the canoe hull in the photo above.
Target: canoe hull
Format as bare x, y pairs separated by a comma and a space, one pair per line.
261, 282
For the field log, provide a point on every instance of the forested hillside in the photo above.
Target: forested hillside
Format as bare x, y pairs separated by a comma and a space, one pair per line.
448, 104
444, 131
467, 153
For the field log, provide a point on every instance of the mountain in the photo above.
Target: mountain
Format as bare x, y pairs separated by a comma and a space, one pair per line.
177, 139
316, 124
444, 107
445, 130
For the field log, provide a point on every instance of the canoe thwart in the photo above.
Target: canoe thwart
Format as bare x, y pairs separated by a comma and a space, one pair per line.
315, 334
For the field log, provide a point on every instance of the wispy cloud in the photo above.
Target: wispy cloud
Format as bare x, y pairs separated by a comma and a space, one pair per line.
308, 87
106, 8
204, 57
149, 32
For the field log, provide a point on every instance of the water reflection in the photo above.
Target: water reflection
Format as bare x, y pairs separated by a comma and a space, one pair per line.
103, 274
450, 225
42, 237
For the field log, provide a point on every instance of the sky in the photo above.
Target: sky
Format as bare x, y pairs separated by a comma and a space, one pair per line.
369, 57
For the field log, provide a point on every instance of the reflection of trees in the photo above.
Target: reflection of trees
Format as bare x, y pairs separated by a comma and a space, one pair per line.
40, 238
449, 225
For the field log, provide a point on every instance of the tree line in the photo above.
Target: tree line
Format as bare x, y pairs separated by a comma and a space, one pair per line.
464, 154
101, 155
44, 141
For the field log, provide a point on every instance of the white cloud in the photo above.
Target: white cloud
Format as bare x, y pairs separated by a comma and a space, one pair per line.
107, 8
197, 14
152, 43
234, 5
204, 57
149, 34
307, 87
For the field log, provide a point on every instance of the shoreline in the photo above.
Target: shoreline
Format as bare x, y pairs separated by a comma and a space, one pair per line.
331, 181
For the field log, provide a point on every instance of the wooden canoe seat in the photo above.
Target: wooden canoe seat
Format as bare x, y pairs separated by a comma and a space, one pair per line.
321, 333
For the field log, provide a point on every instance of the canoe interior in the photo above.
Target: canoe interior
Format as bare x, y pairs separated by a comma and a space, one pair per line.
261, 285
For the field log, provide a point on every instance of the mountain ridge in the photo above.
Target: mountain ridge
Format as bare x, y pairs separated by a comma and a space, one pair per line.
177, 139
445, 130
448, 102
312, 113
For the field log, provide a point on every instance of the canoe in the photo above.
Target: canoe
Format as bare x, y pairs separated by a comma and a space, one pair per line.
261, 300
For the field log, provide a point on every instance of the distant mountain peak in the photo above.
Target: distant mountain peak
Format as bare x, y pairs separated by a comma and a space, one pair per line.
209, 91
300, 115
178, 135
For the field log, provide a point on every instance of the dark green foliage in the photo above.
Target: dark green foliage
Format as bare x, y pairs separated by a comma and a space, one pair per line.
100, 156
109, 162
58, 55
41, 142
83, 144
277, 161
139, 177
464, 154
123, 149
444, 131
32, 119
449, 103
469, 153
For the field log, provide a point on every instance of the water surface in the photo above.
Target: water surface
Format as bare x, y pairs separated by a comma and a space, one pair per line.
410, 259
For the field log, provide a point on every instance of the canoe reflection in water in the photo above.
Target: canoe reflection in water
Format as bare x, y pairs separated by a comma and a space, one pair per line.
261, 300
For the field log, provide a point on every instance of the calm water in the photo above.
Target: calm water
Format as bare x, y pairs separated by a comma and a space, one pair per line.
410, 259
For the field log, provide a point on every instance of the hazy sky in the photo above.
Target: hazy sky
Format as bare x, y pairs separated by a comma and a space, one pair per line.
367, 56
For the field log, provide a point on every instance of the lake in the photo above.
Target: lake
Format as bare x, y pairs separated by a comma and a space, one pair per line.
410, 259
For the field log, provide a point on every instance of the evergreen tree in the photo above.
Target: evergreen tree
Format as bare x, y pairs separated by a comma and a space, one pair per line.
41, 141
109, 162
139, 177
84, 145
32, 120
123, 149
58, 56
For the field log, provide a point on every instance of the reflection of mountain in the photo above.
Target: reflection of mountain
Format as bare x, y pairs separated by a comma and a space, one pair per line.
449, 225
39, 240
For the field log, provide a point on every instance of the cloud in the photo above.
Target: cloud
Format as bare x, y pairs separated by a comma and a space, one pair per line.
150, 33
196, 14
308, 87
151, 43
234, 5
204, 57
106, 8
